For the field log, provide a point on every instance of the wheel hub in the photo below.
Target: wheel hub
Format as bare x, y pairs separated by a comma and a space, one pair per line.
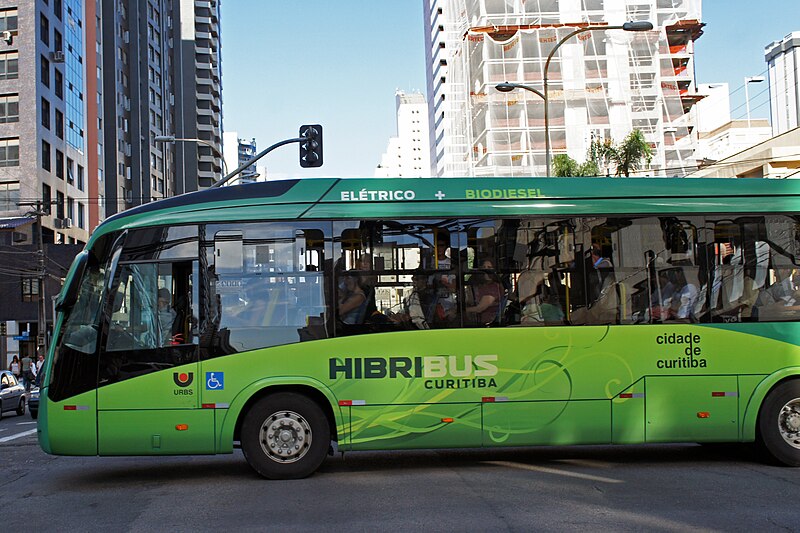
285, 437
789, 423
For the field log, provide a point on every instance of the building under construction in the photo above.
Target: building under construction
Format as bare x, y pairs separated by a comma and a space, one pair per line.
602, 84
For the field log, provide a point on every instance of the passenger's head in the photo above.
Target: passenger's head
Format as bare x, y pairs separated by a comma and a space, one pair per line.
348, 282
365, 262
442, 244
164, 298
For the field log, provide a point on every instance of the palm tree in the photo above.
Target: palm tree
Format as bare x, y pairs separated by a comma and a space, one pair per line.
629, 155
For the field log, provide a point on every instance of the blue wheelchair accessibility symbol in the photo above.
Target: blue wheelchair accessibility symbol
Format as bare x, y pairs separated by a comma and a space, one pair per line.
215, 380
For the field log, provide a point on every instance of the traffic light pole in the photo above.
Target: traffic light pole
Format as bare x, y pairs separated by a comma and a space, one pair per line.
310, 151
255, 158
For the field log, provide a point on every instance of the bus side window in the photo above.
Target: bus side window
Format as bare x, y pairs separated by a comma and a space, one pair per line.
151, 322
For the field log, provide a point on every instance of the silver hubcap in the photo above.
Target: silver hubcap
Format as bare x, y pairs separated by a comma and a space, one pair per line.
789, 423
285, 437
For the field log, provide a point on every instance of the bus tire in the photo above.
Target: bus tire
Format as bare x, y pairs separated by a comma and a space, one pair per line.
285, 436
779, 424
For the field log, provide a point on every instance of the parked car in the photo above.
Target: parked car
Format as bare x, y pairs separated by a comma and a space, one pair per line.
12, 394
33, 402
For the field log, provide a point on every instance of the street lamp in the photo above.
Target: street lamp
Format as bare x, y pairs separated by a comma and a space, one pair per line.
748, 80
173, 139
639, 25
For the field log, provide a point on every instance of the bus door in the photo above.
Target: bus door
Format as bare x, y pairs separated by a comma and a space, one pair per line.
148, 392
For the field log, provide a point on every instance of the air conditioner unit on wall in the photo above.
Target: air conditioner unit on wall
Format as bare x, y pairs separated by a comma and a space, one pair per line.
62, 223
57, 56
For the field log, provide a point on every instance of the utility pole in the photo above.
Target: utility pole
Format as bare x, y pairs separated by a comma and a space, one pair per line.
39, 212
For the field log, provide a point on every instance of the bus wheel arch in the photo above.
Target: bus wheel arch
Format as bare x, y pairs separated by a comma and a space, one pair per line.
305, 390
778, 423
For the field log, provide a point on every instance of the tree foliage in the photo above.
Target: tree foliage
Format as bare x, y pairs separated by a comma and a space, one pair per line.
632, 154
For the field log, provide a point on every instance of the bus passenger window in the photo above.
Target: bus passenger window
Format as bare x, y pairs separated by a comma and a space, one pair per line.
265, 286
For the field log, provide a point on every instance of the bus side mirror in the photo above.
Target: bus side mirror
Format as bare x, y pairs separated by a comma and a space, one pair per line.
69, 294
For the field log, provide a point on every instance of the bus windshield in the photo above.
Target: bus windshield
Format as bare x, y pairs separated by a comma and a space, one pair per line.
81, 327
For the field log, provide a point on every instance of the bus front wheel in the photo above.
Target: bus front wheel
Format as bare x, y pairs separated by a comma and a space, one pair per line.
285, 436
779, 423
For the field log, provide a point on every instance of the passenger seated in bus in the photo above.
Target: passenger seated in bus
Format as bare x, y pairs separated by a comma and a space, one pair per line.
678, 297
603, 301
487, 295
737, 292
443, 285
367, 280
166, 319
352, 301
417, 305
779, 301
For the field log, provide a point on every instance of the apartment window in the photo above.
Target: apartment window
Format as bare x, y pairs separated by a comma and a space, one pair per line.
81, 216
70, 171
9, 108
59, 124
9, 152
45, 71
44, 29
59, 82
80, 178
8, 20
70, 208
58, 41
46, 113
46, 157
46, 197
57, 9
59, 204
30, 289
9, 196
9, 66
60, 164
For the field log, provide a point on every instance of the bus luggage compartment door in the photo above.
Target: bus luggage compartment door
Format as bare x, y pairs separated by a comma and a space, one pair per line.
692, 409
438, 425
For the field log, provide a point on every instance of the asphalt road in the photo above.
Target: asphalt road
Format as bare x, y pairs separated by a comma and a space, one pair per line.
595, 488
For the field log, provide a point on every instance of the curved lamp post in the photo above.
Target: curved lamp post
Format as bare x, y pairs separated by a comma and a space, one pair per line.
747, 81
173, 139
640, 25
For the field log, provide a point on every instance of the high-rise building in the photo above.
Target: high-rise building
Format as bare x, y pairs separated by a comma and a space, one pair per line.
238, 152
408, 153
161, 77
601, 84
43, 116
783, 60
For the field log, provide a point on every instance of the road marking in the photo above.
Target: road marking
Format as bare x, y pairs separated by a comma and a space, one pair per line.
18, 435
26, 423
586, 463
545, 470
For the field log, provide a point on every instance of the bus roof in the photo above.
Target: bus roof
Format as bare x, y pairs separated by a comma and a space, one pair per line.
324, 198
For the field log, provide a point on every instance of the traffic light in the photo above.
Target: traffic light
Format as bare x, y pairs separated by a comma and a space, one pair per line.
311, 147
3, 328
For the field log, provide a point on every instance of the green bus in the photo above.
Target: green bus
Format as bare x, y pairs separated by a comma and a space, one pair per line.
293, 318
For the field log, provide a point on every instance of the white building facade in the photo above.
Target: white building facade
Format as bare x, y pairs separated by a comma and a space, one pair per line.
408, 154
783, 61
602, 84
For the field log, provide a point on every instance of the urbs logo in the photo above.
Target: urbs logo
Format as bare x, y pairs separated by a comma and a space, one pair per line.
183, 379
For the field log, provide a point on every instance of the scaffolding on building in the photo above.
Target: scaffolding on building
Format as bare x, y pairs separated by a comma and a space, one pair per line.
602, 84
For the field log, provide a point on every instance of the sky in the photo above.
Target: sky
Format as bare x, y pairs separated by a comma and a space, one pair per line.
339, 63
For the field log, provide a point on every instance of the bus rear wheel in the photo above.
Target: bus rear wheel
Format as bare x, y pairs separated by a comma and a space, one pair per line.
779, 423
285, 436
